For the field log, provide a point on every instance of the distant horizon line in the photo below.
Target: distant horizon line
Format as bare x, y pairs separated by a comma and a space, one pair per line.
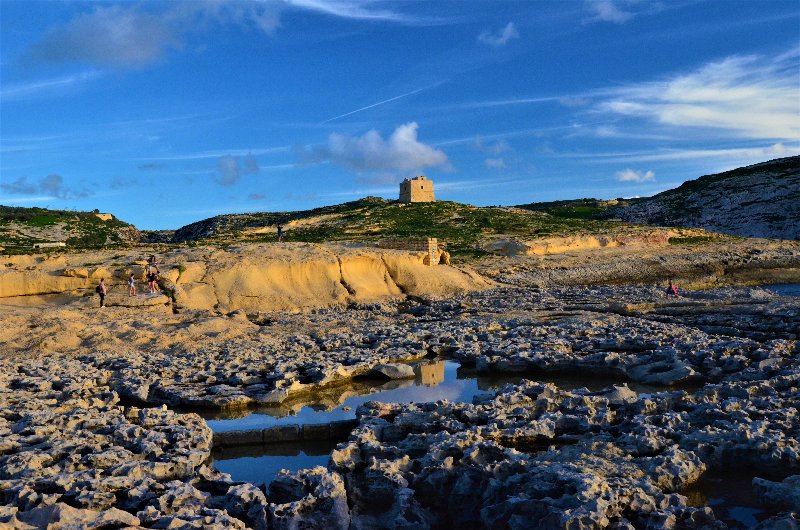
244, 212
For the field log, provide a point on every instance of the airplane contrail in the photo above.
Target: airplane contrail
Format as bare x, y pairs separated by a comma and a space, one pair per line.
379, 103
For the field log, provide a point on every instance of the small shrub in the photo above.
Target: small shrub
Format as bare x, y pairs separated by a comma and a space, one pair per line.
690, 240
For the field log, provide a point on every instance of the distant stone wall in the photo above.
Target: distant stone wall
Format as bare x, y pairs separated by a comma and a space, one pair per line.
418, 189
50, 245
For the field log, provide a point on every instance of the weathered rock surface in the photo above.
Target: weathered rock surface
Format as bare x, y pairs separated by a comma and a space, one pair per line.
76, 442
703, 266
761, 200
628, 238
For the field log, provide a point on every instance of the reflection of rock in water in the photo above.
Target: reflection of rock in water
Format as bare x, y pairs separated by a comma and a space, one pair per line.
430, 374
311, 448
323, 399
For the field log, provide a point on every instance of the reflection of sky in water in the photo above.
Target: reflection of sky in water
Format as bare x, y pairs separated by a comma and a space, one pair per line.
451, 389
745, 516
784, 289
261, 463
730, 494
457, 385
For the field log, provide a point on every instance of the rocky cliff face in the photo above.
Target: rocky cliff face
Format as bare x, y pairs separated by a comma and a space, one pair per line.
205, 228
762, 200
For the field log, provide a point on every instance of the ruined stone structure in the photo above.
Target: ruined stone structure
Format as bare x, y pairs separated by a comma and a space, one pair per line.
418, 189
50, 245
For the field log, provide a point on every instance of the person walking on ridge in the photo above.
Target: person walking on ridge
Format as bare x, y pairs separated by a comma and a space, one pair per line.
102, 290
280, 233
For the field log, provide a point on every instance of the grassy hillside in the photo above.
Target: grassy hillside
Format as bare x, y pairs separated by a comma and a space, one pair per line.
763, 197
597, 209
372, 219
21, 228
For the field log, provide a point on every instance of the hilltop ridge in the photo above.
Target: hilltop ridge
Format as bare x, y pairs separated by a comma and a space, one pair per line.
761, 200
465, 228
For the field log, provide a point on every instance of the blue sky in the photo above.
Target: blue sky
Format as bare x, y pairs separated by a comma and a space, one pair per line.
165, 113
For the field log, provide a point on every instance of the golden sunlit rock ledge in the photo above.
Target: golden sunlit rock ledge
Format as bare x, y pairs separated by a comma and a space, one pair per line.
274, 277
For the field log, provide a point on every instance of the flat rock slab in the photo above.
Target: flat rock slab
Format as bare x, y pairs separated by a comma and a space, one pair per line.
394, 371
140, 300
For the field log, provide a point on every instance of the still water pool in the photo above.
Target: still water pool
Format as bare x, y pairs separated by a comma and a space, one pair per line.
730, 494
784, 289
435, 380
260, 463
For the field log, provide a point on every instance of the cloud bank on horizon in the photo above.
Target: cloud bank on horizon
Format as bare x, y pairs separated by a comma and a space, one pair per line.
158, 111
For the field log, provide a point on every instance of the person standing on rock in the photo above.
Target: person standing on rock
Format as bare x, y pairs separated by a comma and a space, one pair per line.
280, 233
671, 289
151, 281
152, 263
102, 290
131, 286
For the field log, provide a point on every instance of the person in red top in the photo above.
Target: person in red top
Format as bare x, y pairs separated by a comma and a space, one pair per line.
671, 289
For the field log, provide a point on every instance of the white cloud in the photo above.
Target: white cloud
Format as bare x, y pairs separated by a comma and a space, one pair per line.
574, 101
607, 11
218, 153
22, 200
109, 36
231, 169
605, 131
500, 146
499, 38
630, 175
51, 185
743, 155
250, 165
746, 153
749, 97
25, 90
370, 152
495, 163
228, 167
20, 186
354, 9
135, 35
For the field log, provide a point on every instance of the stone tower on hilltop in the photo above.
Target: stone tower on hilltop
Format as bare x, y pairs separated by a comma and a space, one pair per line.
418, 189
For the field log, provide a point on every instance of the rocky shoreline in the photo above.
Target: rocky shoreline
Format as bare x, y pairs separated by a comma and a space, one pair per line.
90, 440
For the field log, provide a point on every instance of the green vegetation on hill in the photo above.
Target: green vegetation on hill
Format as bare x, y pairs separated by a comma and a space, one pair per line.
371, 220
21, 228
578, 208
463, 228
